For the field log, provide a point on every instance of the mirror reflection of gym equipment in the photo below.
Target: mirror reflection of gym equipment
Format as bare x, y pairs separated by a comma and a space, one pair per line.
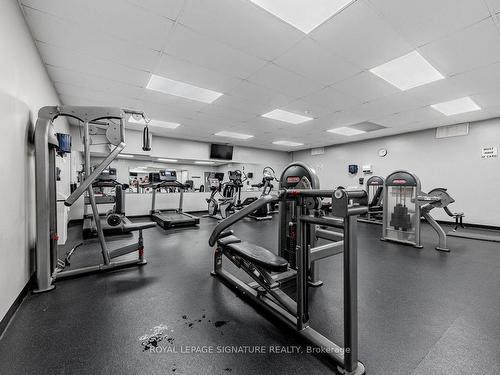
173, 217
107, 191
375, 191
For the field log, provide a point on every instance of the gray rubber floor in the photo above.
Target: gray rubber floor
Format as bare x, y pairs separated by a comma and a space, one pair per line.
420, 312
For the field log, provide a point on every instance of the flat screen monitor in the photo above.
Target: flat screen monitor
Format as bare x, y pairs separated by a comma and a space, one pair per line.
222, 152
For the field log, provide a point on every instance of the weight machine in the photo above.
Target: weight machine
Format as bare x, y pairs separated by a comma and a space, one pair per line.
375, 191
270, 271
405, 203
101, 125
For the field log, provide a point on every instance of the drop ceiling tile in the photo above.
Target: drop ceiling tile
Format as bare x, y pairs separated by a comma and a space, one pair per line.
434, 92
315, 62
251, 106
284, 81
366, 87
222, 113
118, 18
93, 97
305, 108
487, 99
359, 35
184, 71
172, 112
465, 50
72, 64
170, 9
332, 99
57, 32
241, 25
84, 82
425, 115
260, 94
155, 98
190, 45
479, 80
423, 21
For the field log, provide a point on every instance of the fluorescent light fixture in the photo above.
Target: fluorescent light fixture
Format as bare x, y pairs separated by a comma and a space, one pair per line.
233, 135
288, 143
159, 123
125, 156
346, 131
168, 160
408, 71
285, 116
184, 90
304, 15
457, 106
204, 162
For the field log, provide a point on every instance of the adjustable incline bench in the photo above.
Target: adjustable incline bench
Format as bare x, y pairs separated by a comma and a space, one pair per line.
270, 271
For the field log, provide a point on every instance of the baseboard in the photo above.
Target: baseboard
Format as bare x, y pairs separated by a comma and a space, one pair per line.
470, 225
4, 323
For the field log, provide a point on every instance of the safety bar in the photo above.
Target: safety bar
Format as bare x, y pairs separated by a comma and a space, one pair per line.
237, 216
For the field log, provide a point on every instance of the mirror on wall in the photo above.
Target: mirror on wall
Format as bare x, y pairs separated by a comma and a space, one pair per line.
140, 173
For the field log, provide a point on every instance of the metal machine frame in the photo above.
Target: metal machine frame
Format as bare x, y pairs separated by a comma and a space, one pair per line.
160, 216
266, 290
423, 204
375, 201
98, 122
298, 175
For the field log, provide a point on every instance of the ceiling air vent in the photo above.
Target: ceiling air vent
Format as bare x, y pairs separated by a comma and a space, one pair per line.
452, 130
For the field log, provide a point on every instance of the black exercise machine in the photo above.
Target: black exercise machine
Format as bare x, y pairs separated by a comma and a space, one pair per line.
175, 217
269, 271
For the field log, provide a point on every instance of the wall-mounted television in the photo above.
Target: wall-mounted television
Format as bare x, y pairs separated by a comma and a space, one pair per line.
222, 152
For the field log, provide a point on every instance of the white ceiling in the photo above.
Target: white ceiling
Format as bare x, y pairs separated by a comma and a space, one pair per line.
103, 53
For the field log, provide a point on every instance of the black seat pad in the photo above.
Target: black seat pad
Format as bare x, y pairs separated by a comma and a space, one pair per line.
258, 256
139, 225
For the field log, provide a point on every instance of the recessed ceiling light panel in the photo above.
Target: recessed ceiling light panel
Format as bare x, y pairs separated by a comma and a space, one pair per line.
168, 160
347, 131
408, 71
182, 89
125, 156
204, 162
285, 116
288, 143
304, 15
457, 106
233, 135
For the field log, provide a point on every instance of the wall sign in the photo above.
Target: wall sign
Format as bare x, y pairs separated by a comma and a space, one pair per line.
489, 152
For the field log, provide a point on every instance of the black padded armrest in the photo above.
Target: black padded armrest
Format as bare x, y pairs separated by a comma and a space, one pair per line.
138, 226
226, 233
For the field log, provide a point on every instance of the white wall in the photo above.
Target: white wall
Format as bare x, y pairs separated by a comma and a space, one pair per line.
454, 163
24, 88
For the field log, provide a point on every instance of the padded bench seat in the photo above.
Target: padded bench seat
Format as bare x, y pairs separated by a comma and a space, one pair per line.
258, 256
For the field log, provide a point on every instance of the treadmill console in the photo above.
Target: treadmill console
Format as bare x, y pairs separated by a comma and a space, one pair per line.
168, 175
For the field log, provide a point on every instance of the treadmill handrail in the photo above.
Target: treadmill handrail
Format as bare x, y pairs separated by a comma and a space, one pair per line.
237, 216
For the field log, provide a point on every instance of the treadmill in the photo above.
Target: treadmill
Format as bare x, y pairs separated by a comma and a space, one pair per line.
114, 221
171, 218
